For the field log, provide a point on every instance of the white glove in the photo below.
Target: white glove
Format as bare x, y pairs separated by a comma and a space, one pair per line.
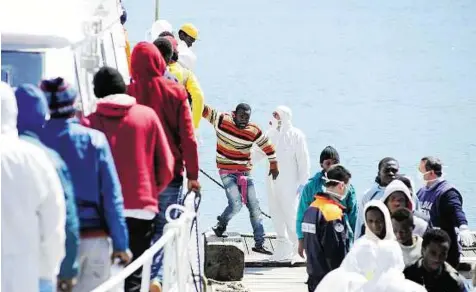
465, 235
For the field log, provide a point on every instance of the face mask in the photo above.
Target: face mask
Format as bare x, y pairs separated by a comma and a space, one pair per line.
421, 177
342, 196
274, 123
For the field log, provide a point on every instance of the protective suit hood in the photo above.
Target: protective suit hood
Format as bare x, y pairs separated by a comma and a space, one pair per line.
389, 235
9, 111
395, 186
286, 116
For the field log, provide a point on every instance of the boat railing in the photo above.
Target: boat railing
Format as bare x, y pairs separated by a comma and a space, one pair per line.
174, 241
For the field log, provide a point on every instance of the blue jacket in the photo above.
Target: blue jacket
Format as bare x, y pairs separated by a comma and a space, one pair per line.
95, 180
326, 236
315, 186
32, 109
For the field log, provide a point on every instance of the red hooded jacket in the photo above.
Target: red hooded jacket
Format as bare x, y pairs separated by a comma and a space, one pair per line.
169, 101
143, 158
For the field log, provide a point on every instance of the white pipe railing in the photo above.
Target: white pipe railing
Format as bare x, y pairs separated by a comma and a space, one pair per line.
174, 241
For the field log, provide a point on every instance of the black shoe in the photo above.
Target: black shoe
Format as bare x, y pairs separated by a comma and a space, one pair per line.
261, 249
219, 230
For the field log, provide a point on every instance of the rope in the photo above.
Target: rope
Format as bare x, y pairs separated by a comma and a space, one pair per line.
202, 283
223, 187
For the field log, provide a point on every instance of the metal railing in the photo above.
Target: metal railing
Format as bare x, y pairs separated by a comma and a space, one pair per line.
174, 241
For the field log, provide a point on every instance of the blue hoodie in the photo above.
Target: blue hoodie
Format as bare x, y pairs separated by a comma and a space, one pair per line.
95, 180
315, 186
32, 110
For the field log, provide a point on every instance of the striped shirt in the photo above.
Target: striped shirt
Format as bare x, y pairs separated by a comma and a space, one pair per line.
234, 144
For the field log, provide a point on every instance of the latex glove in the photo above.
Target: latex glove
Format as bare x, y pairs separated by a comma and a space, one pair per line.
466, 236
299, 190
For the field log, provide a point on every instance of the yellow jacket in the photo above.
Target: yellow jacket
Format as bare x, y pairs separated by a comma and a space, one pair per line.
190, 81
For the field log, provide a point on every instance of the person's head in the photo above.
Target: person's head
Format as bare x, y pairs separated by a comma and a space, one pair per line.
33, 108
146, 62
165, 34
328, 157
403, 225
430, 168
282, 115
406, 180
397, 195
242, 115
188, 33
108, 81
61, 97
337, 180
434, 249
165, 48
375, 221
175, 52
387, 170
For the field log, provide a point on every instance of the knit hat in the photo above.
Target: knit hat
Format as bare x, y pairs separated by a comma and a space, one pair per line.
108, 81
329, 153
60, 95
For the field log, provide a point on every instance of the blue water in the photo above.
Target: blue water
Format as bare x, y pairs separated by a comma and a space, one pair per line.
373, 79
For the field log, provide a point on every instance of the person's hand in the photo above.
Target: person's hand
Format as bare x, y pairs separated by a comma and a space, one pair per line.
466, 236
123, 256
193, 185
66, 285
274, 172
301, 248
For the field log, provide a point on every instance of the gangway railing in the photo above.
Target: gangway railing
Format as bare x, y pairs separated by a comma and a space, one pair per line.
174, 241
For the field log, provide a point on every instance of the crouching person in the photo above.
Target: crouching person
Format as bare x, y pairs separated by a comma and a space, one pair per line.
326, 233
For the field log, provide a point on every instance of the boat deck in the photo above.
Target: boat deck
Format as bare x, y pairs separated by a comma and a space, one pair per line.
271, 279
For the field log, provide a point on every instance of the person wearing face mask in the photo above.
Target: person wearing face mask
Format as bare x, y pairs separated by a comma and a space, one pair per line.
442, 206
329, 156
235, 139
326, 233
283, 193
387, 170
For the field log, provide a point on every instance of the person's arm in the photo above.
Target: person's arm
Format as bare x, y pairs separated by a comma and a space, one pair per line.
51, 215
302, 160
351, 207
69, 266
211, 115
187, 140
163, 158
264, 144
452, 208
112, 200
305, 201
198, 99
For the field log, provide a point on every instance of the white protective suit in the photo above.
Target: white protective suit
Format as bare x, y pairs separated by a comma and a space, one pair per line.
33, 207
370, 266
294, 170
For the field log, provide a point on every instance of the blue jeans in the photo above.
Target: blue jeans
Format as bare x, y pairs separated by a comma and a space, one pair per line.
233, 194
171, 195
46, 286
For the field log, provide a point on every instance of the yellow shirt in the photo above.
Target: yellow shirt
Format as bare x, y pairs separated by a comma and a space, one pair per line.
189, 80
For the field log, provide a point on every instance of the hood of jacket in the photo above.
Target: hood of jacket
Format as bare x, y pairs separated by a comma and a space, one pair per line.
389, 235
9, 111
33, 108
147, 62
115, 105
395, 186
286, 116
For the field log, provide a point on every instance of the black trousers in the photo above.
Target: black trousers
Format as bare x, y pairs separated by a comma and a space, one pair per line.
140, 238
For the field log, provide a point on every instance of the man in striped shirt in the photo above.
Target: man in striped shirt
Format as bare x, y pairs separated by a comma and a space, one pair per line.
235, 138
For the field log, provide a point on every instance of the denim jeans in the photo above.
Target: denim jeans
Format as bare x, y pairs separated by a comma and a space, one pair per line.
171, 195
235, 203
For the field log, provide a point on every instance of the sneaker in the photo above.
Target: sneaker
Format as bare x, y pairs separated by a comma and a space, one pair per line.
261, 249
219, 230
155, 286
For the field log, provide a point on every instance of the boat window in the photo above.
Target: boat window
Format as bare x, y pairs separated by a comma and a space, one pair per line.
22, 67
